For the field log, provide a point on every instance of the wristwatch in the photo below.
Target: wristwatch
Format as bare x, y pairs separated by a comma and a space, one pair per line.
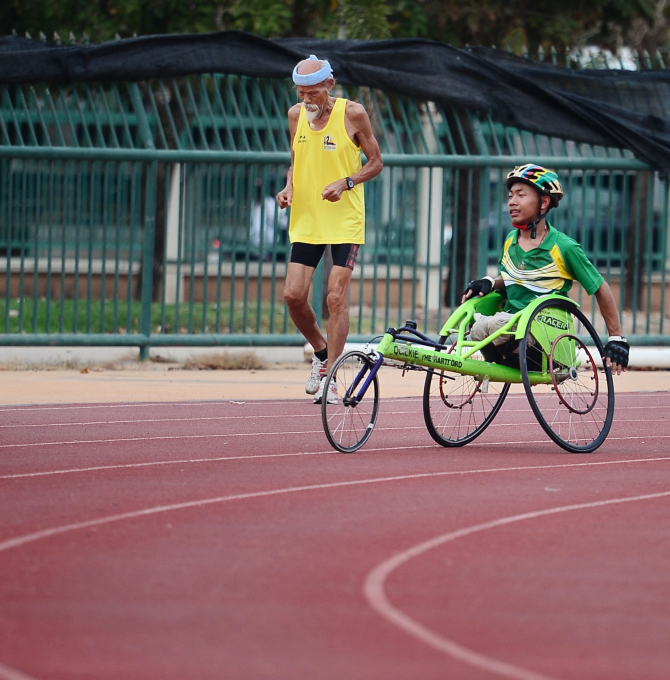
350, 183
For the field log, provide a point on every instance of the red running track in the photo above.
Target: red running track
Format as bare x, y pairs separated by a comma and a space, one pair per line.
227, 540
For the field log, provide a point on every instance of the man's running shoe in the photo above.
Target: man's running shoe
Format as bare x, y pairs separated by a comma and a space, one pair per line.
332, 392
319, 369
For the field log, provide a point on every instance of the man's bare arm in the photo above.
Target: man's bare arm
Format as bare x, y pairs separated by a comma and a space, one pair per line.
608, 308
360, 121
285, 196
359, 128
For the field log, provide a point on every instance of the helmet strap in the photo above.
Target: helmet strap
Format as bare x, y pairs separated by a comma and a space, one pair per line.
533, 225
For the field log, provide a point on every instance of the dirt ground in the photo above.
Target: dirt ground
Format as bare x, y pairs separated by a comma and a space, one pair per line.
160, 383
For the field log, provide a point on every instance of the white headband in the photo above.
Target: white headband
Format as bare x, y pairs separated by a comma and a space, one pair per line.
313, 78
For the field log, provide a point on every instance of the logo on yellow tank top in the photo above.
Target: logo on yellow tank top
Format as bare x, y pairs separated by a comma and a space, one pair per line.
329, 143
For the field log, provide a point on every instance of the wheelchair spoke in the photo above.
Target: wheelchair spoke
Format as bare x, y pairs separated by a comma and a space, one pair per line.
348, 423
458, 408
577, 407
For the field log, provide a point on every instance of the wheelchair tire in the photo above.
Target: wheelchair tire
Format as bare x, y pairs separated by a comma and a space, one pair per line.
577, 407
348, 423
458, 408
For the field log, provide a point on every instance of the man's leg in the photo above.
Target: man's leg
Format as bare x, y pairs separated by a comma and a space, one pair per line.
338, 308
296, 292
344, 261
487, 325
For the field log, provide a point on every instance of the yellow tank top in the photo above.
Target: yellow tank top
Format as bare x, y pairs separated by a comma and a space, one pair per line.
322, 157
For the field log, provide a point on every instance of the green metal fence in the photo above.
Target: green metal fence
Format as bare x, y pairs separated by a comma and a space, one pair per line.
142, 214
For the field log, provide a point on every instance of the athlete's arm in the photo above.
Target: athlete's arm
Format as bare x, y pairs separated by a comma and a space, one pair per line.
358, 127
285, 196
608, 309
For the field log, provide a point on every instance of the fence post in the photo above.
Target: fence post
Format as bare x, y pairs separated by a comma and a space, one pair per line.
173, 288
148, 256
429, 228
150, 188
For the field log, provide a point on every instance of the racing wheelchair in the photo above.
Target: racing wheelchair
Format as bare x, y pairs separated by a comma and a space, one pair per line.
550, 347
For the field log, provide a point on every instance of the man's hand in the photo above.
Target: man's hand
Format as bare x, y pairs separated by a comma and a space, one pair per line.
333, 192
479, 287
285, 197
616, 353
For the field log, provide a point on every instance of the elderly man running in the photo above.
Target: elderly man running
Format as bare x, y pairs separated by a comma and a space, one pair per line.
325, 192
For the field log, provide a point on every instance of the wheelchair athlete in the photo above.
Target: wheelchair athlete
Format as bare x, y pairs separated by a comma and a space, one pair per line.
538, 259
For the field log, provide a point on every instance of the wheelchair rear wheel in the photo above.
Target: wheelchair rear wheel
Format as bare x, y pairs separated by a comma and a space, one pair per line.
576, 408
458, 408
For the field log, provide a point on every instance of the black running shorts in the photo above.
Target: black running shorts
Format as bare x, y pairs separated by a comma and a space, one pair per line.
310, 254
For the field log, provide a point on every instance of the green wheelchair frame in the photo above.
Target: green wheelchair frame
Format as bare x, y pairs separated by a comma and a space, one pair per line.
550, 348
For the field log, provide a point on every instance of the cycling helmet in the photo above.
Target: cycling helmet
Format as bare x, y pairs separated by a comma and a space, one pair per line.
544, 180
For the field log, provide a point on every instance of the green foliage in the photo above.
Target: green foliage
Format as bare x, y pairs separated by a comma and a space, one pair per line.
263, 17
513, 23
365, 19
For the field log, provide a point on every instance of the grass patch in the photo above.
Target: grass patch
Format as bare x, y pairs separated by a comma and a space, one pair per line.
226, 361
97, 316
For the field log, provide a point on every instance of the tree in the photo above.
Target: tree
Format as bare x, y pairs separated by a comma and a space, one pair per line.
513, 23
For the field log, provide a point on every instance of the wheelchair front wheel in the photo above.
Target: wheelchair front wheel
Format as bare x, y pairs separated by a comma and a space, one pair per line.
458, 408
348, 422
577, 407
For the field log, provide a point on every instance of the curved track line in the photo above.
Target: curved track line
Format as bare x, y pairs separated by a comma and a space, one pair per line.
427, 634
157, 438
263, 434
7, 673
375, 594
132, 404
265, 417
54, 531
185, 461
155, 420
144, 404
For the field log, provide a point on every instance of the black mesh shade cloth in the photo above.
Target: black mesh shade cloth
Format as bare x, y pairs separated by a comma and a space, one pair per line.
627, 109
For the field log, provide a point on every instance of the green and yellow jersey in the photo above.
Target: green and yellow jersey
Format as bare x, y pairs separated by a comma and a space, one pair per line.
550, 268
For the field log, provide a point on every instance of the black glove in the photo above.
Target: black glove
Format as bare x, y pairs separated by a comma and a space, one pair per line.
617, 349
483, 286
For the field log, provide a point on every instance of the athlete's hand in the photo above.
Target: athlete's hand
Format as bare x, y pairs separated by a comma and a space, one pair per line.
285, 197
333, 192
615, 354
478, 287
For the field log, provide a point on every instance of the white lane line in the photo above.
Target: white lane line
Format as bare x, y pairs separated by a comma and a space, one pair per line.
184, 461
14, 426
159, 404
374, 589
153, 420
263, 402
218, 459
297, 432
46, 533
159, 438
7, 673
143, 404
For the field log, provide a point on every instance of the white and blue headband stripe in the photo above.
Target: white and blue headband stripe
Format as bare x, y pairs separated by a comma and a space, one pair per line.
312, 78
